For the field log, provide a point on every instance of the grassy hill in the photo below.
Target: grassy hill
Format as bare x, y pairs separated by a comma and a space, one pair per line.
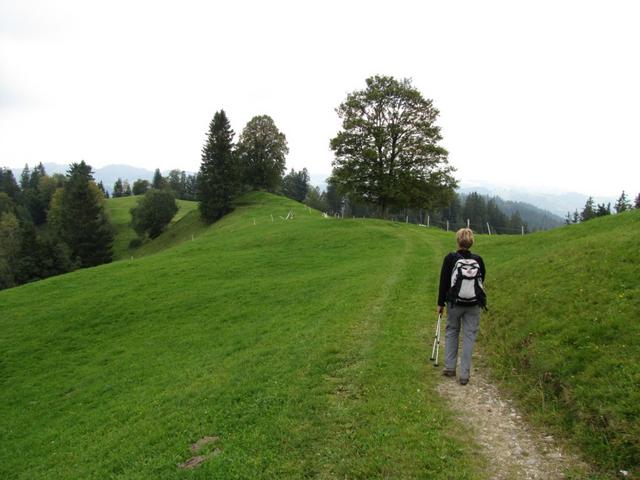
182, 226
302, 344
563, 332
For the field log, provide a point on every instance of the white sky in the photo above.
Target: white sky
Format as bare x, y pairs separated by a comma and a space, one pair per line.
531, 94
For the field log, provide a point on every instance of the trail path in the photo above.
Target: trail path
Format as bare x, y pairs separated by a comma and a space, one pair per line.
513, 449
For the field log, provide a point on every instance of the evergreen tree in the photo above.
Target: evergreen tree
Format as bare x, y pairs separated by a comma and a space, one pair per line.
218, 180
118, 188
25, 177
516, 223
496, 218
588, 212
126, 189
101, 187
568, 220
10, 245
158, 180
262, 151
622, 204
82, 222
603, 209
475, 211
576, 217
637, 201
8, 184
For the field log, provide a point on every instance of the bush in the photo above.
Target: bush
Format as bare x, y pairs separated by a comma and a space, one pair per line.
153, 212
136, 242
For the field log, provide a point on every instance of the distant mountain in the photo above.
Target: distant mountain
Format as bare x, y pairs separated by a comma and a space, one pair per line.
558, 203
107, 174
110, 173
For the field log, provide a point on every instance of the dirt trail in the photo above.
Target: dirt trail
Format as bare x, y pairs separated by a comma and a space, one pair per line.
512, 448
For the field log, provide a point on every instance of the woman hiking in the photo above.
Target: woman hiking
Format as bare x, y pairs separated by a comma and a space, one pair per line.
461, 287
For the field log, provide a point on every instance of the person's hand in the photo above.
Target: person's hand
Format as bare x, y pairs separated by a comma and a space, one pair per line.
440, 310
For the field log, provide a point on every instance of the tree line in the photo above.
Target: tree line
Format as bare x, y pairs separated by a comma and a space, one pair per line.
182, 184
591, 210
51, 224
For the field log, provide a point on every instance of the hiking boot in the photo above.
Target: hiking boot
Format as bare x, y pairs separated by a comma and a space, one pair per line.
448, 373
463, 381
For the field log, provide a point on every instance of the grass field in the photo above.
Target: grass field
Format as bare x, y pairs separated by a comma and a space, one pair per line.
300, 343
303, 345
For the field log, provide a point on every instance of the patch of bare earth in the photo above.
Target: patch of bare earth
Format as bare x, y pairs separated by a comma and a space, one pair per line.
513, 448
198, 460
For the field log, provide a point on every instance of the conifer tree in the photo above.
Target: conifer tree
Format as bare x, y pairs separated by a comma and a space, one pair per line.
218, 178
603, 209
118, 188
637, 201
83, 224
126, 189
588, 211
8, 183
158, 180
622, 204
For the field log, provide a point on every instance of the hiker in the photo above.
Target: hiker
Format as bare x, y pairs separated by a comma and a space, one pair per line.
461, 287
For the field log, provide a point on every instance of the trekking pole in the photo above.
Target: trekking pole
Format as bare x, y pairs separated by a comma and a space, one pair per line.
436, 342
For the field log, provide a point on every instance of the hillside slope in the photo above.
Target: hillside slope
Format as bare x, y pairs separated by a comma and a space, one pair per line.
563, 332
120, 214
299, 343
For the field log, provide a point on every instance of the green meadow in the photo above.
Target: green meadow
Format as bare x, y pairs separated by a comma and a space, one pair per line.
303, 345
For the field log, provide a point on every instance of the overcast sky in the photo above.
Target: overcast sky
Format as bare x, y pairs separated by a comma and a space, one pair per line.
531, 94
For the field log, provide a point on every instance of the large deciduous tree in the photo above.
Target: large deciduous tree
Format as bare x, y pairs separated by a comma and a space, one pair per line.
154, 212
387, 152
295, 185
262, 150
218, 178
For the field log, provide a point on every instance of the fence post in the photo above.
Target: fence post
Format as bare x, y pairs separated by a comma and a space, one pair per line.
428, 220
488, 228
467, 223
406, 220
447, 225
522, 229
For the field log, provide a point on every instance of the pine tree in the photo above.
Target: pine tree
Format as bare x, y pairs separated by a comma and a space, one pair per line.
218, 180
622, 204
637, 201
576, 217
117, 188
603, 209
158, 180
8, 183
83, 224
25, 177
588, 211
126, 189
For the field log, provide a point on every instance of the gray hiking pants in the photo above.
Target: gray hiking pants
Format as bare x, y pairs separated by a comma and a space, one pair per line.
469, 319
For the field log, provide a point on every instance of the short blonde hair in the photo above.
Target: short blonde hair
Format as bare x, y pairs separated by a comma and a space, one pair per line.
464, 237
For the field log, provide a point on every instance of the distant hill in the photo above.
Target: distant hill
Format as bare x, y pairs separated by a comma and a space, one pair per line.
535, 218
107, 174
557, 203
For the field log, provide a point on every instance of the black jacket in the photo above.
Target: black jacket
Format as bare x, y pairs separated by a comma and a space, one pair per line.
447, 269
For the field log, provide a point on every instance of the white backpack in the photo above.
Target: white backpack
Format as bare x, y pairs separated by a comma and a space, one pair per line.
466, 284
